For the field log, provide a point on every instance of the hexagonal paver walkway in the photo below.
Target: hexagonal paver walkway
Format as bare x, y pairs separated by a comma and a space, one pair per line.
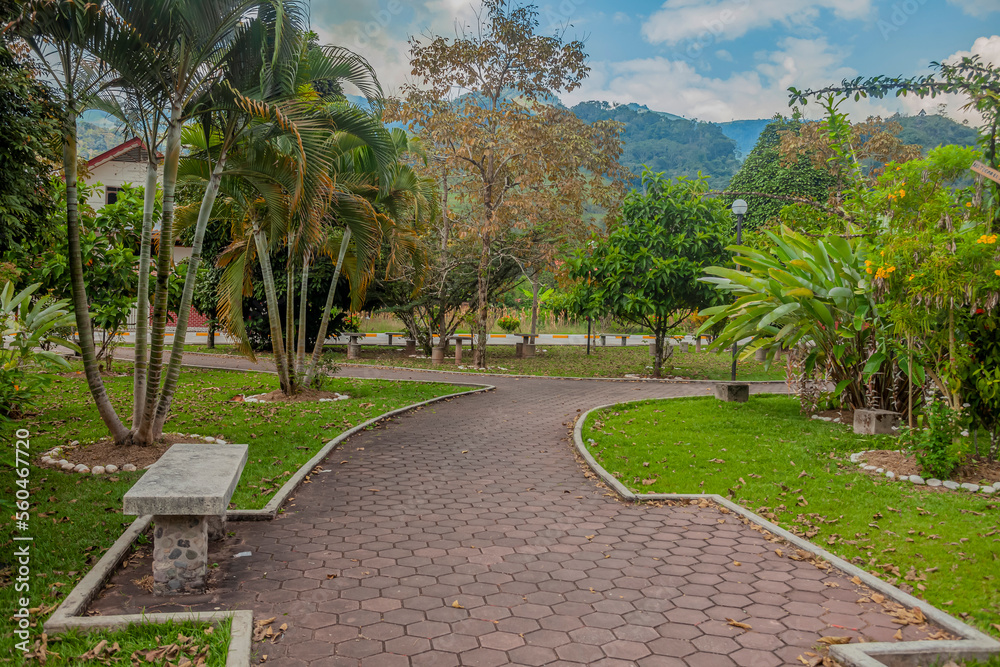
466, 533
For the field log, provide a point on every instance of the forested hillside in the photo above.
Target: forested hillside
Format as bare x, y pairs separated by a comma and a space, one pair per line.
668, 143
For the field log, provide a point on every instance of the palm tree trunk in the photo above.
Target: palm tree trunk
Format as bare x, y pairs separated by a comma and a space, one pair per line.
273, 312
300, 351
184, 310
142, 304
81, 308
325, 322
143, 433
290, 315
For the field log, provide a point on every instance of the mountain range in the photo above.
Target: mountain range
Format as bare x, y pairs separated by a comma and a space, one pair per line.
664, 142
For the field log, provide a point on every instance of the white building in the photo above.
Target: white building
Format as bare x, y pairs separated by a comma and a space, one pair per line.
125, 163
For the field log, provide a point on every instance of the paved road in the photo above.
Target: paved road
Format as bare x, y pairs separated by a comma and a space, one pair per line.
467, 533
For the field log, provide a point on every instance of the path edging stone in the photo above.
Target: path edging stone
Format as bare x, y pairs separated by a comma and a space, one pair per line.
67, 615
973, 645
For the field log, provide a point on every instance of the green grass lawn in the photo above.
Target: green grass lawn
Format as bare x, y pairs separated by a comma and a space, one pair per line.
192, 640
573, 361
941, 546
75, 518
557, 361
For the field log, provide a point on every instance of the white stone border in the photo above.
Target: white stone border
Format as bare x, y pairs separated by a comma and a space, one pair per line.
67, 615
917, 479
972, 645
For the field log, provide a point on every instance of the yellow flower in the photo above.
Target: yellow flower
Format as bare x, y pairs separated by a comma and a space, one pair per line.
997, 272
902, 193
911, 276
968, 204
890, 269
868, 270
868, 262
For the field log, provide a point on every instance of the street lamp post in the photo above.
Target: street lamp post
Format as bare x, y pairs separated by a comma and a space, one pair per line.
740, 209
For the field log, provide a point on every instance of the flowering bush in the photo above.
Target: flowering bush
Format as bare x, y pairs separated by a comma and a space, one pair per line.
352, 322
509, 324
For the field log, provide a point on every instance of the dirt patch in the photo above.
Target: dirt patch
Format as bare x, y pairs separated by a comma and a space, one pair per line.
304, 396
845, 416
973, 471
105, 451
130, 589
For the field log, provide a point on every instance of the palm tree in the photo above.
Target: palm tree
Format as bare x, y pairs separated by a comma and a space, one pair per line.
404, 201
60, 32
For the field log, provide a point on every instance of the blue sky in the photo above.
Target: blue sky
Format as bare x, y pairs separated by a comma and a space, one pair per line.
715, 60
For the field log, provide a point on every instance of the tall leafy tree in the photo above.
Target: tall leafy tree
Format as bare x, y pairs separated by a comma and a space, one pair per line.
646, 272
515, 160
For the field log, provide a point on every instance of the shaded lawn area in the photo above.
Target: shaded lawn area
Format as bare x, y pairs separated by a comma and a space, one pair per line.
75, 518
938, 545
573, 361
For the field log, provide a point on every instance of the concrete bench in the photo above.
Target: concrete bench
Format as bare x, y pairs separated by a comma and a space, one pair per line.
604, 338
526, 348
186, 490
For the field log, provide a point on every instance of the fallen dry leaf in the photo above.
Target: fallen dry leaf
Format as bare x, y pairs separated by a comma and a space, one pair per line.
737, 624
834, 640
456, 605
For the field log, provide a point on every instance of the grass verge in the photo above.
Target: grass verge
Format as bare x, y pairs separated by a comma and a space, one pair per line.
556, 361
573, 361
161, 643
937, 545
75, 518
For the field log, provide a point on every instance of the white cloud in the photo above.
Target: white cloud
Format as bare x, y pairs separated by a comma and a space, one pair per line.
976, 7
987, 48
621, 17
707, 22
678, 86
379, 29
722, 54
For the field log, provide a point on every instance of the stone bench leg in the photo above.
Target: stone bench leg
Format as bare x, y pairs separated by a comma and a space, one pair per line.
411, 346
180, 554
458, 353
353, 350
528, 350
519, 350
216, 528
437, 355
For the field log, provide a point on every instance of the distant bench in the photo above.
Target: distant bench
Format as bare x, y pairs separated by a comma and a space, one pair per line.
187, 491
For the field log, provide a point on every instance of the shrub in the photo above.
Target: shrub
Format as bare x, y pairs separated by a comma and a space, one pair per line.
352, 323
509, 324
937, 440
28, 327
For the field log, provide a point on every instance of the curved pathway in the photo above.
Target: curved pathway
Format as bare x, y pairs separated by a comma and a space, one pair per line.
467, 533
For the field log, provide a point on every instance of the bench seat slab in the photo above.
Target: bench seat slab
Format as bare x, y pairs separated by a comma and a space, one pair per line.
188, 480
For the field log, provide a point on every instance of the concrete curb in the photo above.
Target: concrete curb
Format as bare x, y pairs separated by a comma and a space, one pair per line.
973, 645
67, 615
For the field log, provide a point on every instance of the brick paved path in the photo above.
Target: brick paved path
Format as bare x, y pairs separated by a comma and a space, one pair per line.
467, 534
